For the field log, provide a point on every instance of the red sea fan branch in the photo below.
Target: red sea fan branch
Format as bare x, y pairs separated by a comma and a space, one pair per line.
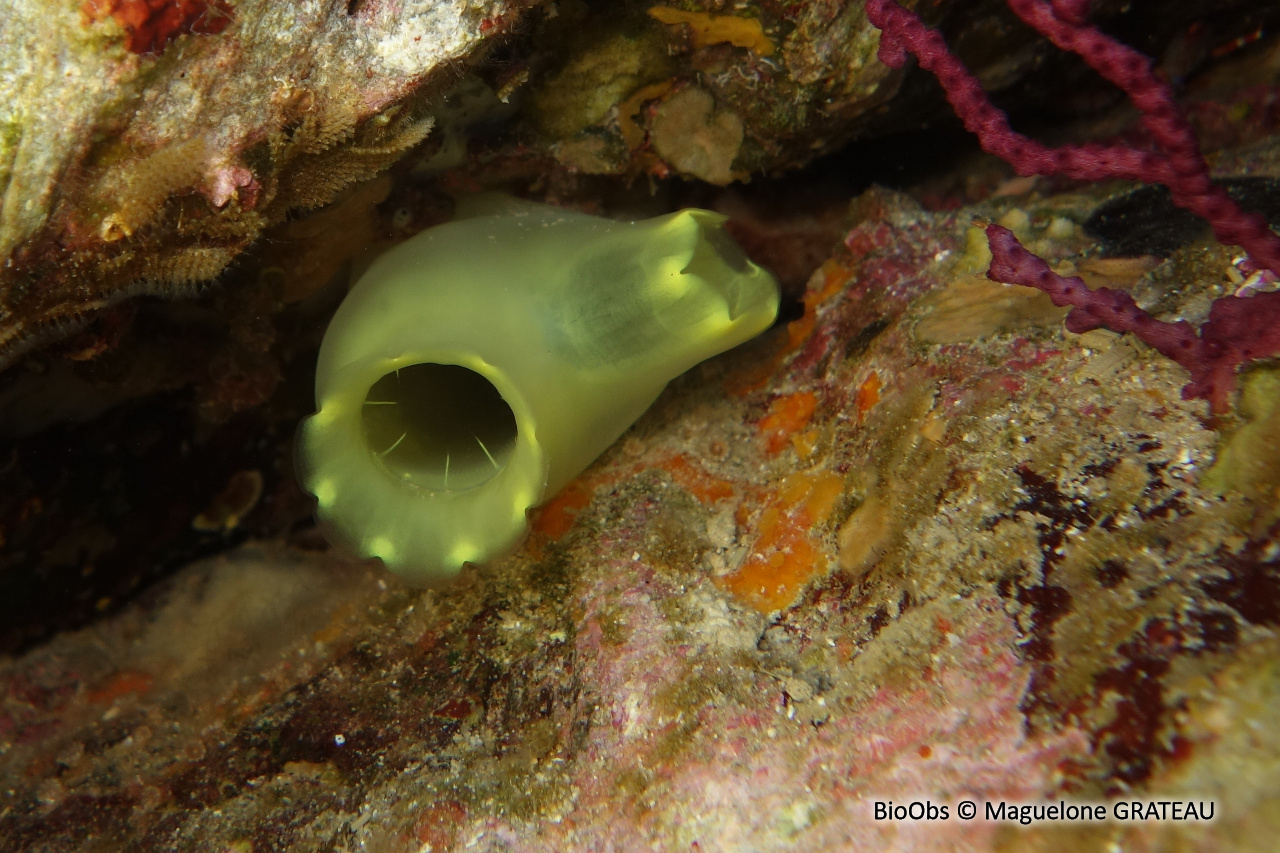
1178, 164
1238, 329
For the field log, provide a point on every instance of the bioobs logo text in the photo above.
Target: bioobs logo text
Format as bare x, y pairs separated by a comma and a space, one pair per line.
915, 810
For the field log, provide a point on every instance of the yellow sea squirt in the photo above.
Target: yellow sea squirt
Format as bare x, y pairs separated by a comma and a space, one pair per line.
477, 367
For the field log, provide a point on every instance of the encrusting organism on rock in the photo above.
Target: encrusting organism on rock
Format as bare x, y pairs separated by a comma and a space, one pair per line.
1239, 329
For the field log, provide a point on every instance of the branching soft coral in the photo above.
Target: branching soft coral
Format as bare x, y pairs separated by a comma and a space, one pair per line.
1238, 330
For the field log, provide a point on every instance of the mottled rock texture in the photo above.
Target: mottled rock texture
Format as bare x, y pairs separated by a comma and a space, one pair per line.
896, 549
916, 542
143, 145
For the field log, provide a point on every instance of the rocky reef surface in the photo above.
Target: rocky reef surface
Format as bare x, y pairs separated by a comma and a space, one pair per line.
917, 543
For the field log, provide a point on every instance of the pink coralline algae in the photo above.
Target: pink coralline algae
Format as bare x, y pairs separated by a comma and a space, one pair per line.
1237, 330
229, 181
151, 24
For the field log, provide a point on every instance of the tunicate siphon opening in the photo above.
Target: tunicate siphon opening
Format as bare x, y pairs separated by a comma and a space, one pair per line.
439, 426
